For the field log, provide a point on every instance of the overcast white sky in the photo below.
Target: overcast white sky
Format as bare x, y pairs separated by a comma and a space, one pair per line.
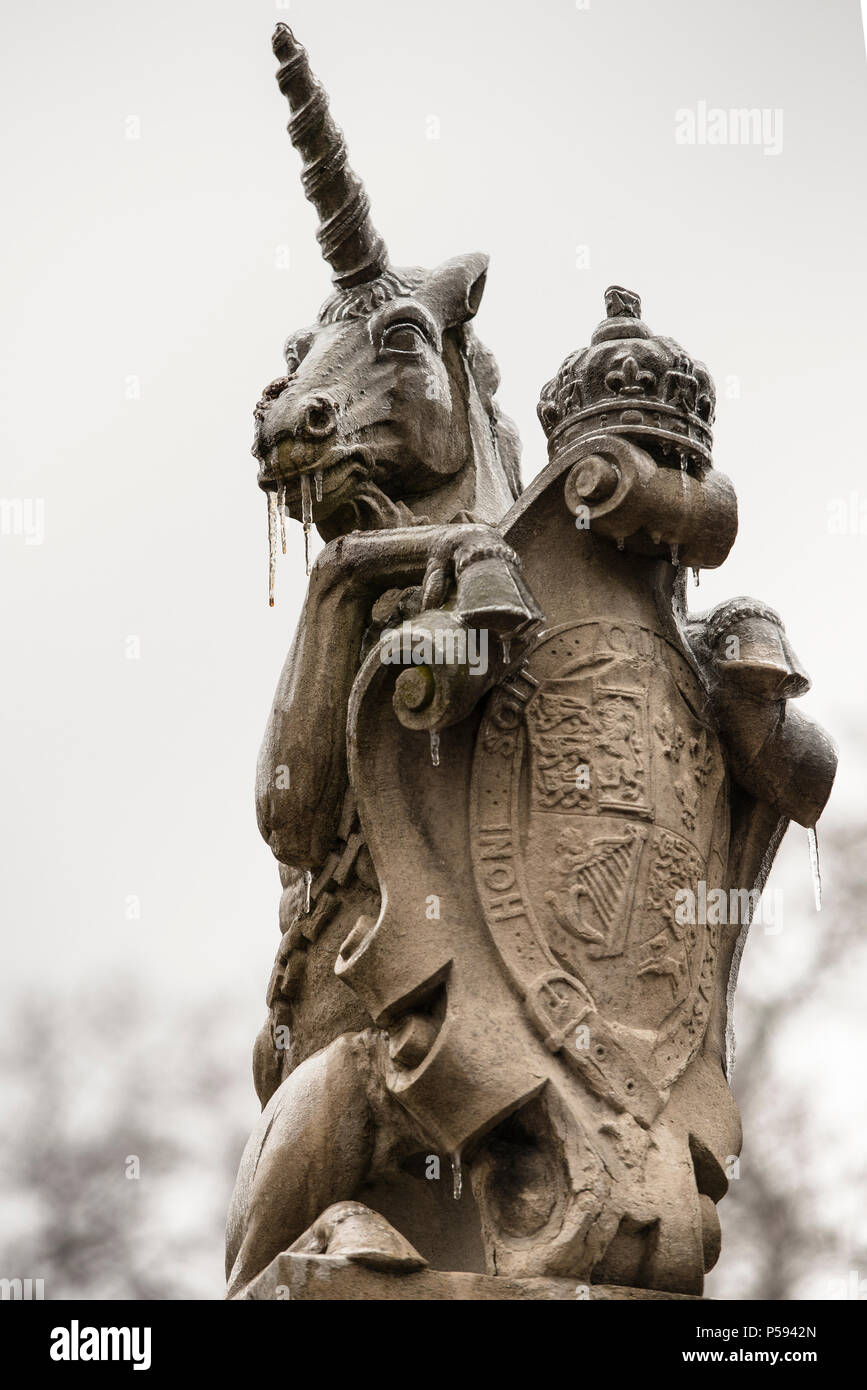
156, 258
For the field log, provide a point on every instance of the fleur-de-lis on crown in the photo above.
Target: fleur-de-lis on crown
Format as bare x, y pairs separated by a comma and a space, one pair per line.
629, 379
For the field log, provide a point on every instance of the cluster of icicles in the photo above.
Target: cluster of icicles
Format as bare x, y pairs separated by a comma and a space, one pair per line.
675, 549
277, 519
675, 556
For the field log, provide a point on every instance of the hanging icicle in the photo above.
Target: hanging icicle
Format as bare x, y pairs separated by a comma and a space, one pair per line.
306, 517
317, 483
674, 555
434, 747
506, 646
457, 1175
308, 884
696, 577
813, 842
281, 511
271, 498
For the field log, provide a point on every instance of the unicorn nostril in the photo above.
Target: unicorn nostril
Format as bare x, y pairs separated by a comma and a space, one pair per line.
317, 417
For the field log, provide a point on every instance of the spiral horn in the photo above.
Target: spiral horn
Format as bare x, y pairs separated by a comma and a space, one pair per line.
350, 243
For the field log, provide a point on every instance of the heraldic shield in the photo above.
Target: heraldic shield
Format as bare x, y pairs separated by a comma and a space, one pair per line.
600, 808
577, 809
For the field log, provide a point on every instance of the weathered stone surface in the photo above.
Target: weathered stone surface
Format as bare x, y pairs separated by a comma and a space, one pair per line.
522, 801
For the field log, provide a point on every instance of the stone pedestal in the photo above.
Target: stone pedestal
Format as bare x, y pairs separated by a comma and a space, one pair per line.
315, 1278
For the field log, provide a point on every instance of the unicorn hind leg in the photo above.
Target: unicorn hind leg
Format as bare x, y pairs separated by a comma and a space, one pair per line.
311, 1147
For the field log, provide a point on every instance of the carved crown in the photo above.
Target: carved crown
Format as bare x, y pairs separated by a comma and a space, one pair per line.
630, 381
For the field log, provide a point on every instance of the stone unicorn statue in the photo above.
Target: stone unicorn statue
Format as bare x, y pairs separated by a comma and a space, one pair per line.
487, 963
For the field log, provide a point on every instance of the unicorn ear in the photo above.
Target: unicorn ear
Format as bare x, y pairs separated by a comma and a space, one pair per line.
453, 291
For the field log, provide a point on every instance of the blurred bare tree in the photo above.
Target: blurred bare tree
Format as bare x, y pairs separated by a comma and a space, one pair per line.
128, 1120
794, 1220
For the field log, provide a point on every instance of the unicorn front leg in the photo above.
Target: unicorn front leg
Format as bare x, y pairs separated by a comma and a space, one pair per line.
301, 776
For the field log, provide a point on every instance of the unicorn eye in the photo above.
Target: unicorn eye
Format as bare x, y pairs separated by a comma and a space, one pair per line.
294, 352
406, 338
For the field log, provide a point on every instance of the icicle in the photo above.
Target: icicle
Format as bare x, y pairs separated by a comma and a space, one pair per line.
696, 575
674, 559
683, 479
306, 516
621, 543
457, 1176
306, 500
434, 747
506, 645
317, 482
308, 884
281, 510
272, 545
814, 864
